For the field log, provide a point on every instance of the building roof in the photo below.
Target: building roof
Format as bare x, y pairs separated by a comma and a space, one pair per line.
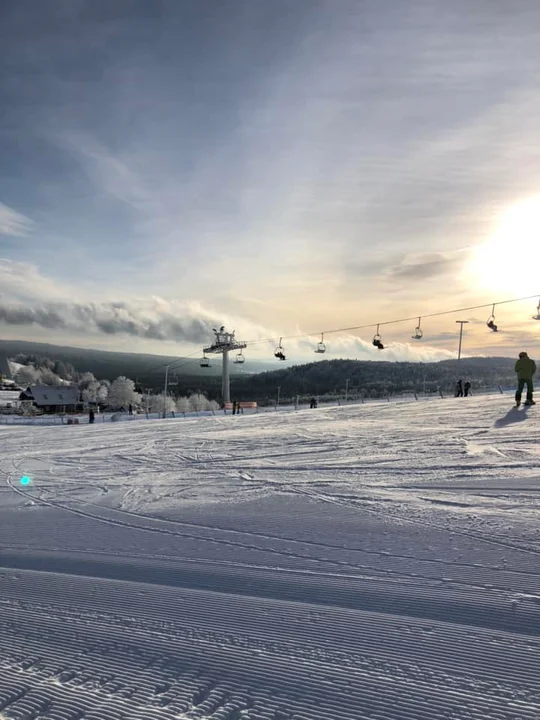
44, 395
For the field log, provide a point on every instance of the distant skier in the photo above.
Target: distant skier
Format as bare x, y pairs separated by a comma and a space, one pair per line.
91, 416
459, 388
467, 389
130, 409
313, 403
525, 369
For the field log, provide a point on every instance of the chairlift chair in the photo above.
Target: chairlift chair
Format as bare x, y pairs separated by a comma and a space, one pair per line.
537, 316
491, 321
279, 354
418, 333
205, 362
377, 342
239, 359
321, 347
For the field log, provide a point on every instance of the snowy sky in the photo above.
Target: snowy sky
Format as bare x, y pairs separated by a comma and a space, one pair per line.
277, 166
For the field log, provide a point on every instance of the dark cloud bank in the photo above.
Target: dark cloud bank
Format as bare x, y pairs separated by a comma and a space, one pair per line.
110, 319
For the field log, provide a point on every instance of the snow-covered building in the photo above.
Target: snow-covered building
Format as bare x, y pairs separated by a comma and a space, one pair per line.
52, 399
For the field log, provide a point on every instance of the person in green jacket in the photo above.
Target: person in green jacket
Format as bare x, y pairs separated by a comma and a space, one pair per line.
525, 368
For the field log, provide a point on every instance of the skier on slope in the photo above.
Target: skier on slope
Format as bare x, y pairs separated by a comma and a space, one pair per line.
459, 388
525, 368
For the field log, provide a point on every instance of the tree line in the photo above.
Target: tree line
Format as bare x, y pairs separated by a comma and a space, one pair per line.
328, 378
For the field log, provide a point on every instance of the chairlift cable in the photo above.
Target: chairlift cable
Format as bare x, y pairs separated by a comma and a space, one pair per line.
393, 322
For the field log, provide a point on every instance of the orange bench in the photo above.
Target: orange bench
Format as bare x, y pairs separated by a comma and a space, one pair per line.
243, 405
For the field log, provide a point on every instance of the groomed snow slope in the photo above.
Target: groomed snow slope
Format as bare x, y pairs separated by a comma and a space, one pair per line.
377, 562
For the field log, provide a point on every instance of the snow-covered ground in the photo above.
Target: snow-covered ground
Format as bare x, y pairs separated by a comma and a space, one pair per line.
378, 561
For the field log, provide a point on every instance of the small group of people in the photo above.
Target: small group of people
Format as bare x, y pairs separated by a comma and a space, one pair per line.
237, 408
463, 389
525, 369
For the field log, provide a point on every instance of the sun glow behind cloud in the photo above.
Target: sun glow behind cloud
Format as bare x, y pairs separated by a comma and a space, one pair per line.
509, 261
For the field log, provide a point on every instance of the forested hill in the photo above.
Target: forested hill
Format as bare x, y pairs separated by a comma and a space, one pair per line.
374, 379
105, 364
249, 382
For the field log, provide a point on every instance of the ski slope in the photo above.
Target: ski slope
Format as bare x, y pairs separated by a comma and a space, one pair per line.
377, 561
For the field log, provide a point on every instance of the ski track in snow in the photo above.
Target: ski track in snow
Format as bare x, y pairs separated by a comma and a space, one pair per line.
375, 562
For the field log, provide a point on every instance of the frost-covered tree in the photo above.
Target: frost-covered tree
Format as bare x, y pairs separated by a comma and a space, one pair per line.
122, 393
47, 377
198, 402
103, 392
61, 370
90, 392
182, 405
160, 403
213, 405
27, 375
85, 380
47, 363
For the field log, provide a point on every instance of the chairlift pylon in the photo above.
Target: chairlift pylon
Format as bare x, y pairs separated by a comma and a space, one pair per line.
321, 347
377, 342
279, 354
491, 320
418, 332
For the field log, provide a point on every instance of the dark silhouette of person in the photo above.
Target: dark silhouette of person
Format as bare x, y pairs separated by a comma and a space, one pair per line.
459, 388
91, 416
467, 389
313, 403
130, 409
525, 368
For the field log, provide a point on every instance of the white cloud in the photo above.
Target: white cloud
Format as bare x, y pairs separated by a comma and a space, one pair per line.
13, 222
351, 346
22, 281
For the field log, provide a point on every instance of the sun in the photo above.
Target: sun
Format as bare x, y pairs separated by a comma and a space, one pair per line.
509, 261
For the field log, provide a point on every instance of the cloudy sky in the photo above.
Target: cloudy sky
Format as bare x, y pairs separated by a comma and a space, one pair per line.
280, 166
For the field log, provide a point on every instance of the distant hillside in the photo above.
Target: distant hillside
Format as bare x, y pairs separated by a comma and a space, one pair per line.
255, 381
147, 369
374, 379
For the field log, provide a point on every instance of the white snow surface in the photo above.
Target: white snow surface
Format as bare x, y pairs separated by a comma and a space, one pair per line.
373, 562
